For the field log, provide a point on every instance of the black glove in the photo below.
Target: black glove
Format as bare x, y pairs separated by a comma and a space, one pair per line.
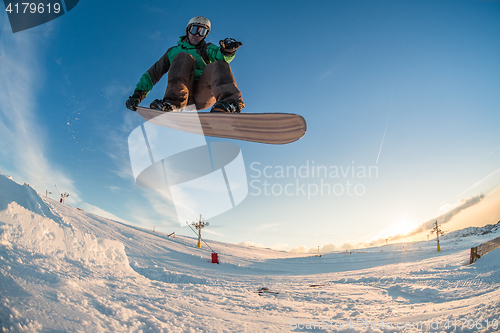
229, 46
135, 99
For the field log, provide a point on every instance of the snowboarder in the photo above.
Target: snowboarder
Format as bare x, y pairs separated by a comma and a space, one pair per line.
198, 73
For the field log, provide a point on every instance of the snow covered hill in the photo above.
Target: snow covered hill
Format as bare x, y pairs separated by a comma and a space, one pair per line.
492, 229
65, 270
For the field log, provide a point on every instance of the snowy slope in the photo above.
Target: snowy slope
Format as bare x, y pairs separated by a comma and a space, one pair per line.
64, 270
474, 231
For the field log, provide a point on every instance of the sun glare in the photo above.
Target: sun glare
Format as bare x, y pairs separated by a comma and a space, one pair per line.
402, 228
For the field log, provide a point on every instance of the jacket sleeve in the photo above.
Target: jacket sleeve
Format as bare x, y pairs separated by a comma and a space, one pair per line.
154, 74
214, 54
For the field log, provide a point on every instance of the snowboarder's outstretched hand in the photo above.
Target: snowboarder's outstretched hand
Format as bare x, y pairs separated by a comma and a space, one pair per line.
229, 46
132, 103
134, 100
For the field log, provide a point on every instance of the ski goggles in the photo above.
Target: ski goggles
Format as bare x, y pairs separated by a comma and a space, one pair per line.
198, 29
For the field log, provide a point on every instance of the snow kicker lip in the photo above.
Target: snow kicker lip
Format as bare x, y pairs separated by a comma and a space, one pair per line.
197, 177
24, 15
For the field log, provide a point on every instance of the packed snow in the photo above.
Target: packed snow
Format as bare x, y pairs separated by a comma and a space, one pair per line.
65, 270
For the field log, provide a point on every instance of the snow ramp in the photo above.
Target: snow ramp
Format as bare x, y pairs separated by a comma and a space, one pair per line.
27, 223
42, 257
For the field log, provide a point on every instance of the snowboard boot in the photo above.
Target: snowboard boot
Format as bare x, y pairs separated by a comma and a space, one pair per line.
159, 104
223, 106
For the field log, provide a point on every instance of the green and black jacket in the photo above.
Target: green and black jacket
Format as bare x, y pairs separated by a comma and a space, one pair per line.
203, 54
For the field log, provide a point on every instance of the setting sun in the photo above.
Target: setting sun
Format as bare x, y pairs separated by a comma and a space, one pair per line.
401, 228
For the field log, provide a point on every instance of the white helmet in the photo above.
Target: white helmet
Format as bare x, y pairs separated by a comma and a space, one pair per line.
198, 20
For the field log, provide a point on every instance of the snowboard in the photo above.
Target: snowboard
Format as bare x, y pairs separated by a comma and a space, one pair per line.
270, 128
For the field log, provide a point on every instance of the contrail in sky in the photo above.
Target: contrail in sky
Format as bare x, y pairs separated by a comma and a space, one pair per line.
386, 124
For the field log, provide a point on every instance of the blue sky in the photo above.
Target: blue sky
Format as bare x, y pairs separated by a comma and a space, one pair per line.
411, 88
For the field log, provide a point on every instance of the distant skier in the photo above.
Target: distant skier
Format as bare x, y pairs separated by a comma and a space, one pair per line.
198, 73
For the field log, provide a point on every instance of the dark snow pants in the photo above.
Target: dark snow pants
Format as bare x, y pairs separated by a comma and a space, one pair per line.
216, 83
